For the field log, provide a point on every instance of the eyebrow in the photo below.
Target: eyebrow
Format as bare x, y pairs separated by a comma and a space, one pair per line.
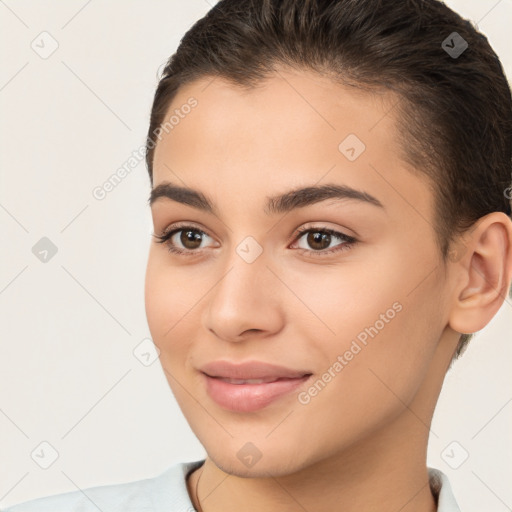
283, 203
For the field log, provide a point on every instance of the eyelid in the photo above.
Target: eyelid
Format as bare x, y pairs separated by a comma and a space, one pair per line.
177, 226
322, 226
165, 237
347, 240
171, 230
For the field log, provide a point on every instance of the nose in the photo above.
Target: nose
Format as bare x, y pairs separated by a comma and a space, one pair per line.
247, 299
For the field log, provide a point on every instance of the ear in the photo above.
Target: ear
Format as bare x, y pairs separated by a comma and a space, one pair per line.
483, 274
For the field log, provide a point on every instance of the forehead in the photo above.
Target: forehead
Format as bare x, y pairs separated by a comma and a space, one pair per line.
283, 111
295, 128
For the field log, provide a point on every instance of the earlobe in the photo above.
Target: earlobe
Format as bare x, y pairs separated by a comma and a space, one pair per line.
487, 273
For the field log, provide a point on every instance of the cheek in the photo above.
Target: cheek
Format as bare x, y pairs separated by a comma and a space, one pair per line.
371, 330
367, 380
394, 339
165, 299
340, 302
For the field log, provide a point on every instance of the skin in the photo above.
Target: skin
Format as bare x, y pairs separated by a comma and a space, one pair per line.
360, 443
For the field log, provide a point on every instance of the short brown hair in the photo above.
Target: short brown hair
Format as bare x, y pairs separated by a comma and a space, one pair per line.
455, 108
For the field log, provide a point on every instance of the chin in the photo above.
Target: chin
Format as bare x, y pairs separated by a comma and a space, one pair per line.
262, 469
271, 462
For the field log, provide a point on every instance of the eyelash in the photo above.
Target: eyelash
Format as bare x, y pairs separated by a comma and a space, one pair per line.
349, 241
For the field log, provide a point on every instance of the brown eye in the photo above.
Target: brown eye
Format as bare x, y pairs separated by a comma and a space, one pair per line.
185, 240
318, 240
191, 239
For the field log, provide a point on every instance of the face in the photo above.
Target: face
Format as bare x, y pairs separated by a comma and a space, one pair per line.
347, 288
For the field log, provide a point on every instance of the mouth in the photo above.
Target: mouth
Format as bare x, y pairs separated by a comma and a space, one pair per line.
250, 370
248, 395
254, 381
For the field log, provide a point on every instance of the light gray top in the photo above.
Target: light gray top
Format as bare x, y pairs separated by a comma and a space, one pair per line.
167, 492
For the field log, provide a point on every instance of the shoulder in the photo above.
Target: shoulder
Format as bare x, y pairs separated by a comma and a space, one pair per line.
164, 492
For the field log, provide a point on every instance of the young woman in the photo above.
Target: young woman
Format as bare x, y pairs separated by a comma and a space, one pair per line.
331, 208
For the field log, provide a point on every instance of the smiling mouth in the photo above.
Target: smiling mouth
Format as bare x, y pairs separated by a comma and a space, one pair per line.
257, 381
249, 395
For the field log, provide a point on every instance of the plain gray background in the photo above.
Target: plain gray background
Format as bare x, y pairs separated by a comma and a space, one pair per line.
70, 326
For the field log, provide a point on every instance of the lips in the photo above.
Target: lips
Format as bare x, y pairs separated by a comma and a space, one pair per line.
250, 370
249, 381
245, 397
250, 386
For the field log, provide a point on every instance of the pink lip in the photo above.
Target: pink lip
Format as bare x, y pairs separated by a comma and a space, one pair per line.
249, 397
250, 370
